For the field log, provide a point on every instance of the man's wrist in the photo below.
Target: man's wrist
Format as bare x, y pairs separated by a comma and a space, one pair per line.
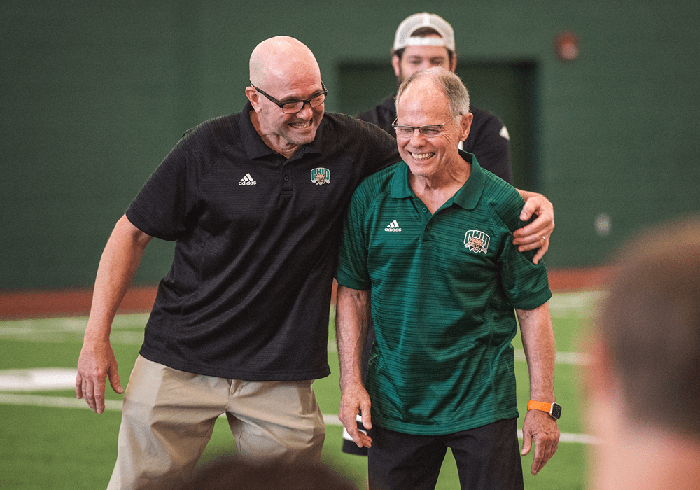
551, 408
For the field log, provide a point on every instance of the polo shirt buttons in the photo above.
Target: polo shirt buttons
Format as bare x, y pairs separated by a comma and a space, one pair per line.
287, 186
425, 210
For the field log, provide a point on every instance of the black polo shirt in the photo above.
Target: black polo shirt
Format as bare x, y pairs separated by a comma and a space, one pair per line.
248, 294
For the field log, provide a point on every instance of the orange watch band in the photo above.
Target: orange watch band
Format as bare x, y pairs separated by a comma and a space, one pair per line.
552, 409
543, 406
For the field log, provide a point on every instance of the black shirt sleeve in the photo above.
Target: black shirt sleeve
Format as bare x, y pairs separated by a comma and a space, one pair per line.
382, 115
487, 140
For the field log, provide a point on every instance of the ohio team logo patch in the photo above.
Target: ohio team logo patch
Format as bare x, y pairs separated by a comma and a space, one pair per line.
477, 241
320, 176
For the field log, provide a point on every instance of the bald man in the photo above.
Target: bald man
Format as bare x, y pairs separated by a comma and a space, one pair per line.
255, 203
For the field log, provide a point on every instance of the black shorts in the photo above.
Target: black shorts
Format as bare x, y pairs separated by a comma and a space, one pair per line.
488, 458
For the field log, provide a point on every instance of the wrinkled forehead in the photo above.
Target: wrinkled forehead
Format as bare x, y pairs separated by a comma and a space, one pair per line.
299, 83
423, 102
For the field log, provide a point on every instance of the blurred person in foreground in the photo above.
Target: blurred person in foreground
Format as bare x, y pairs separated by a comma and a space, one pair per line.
643, 383
432, 238
227, 473
423, 41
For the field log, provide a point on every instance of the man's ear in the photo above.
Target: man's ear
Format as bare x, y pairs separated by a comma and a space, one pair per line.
396, 63
253, 97
466, 124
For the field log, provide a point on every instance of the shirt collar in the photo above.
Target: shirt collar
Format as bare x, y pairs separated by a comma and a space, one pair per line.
470, 193
466, 197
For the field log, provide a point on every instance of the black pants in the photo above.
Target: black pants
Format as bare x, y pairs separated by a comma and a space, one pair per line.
487, 457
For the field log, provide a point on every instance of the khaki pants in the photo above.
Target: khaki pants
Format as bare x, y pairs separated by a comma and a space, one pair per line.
168, 417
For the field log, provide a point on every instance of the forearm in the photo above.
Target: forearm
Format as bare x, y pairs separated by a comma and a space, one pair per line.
540, 351
351, 321
118, 265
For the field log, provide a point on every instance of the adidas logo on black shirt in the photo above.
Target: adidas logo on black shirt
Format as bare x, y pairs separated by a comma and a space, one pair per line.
247, 180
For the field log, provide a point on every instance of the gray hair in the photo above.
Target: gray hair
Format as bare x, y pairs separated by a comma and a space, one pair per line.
448, 82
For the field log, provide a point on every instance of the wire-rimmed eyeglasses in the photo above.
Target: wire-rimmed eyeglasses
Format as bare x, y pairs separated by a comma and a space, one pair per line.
429, 131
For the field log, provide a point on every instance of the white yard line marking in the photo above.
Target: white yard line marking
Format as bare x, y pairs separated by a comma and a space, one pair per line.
38, 379
572, 358
116, 405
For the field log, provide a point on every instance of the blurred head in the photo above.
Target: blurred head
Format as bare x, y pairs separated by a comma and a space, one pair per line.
286, 70
423, 41
228, 473
437, 101
648, 338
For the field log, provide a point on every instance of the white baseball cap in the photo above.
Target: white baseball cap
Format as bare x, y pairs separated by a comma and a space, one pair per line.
416, 21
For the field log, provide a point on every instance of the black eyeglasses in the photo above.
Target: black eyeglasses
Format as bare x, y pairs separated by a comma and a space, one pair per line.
429, 131
294, 106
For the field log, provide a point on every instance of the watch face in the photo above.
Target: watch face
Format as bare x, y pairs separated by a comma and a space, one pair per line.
556, 410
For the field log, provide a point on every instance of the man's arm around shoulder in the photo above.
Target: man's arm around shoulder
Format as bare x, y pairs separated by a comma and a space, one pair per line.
536, 234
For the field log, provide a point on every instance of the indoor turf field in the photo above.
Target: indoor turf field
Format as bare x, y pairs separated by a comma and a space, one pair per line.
50, 440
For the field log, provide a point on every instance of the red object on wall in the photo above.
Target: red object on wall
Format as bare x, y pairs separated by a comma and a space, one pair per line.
567, 46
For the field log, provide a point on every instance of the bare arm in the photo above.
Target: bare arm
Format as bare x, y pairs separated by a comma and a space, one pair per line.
351, 320
119, 262
538, 341
536, 234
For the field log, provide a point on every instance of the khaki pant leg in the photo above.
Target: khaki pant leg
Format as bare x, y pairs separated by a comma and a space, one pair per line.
276, 420
167, 419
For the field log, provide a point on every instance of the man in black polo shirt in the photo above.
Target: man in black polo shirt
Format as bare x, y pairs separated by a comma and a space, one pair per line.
255, 202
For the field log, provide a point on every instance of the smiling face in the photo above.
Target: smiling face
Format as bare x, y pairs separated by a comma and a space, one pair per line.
423, 103
286, 70
290, 130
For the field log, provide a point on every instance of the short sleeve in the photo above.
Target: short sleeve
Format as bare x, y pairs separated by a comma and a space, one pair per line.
163, 205
525, 284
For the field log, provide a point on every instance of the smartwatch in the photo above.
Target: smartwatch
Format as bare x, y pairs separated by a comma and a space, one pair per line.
553, 409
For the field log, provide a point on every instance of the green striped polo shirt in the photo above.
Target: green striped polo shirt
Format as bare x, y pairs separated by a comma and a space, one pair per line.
443, 288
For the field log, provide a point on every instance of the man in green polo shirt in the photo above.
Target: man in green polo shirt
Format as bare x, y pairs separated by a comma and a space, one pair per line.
431, 239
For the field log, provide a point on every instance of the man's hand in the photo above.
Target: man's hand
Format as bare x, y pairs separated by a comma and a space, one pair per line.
356, 400
543, 429
536, 234
95, 364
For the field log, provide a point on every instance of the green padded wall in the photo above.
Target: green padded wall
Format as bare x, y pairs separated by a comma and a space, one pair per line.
94, 94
